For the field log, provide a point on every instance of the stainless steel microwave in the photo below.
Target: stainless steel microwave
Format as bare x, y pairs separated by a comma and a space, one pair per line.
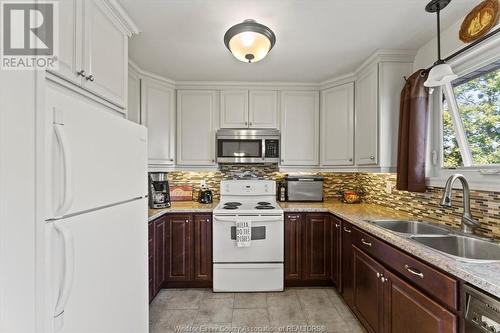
239, 146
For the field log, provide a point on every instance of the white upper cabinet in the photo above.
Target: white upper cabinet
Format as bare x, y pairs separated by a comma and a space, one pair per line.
378, 90
337, 126
70, 41
93, 48
105, 54
158, 115
234, 108
263, 109
249, 109
299, 128
367, 117
197, 119
134, 96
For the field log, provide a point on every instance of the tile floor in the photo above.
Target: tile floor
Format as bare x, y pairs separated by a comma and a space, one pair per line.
201, 310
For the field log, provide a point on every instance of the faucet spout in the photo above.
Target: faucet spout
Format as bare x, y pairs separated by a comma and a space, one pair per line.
469, 224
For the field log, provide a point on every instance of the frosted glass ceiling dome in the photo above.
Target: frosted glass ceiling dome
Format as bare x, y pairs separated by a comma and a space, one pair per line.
249, 41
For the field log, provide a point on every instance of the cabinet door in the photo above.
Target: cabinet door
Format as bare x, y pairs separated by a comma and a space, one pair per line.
158, 115
105, 54
293, 247
179, 248
151, 259
263, 109
368, 301
404, 304
234, 108
299, 128
160, 235
336, 251
69, 58
134, 96
367, 117
337, 126
196, 118
317, 247
347, 274
202, 248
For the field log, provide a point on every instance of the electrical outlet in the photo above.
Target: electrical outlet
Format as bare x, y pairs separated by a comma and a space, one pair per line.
388, 187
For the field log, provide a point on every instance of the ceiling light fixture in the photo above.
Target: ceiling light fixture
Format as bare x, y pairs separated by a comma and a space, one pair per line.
441, 73
249, 41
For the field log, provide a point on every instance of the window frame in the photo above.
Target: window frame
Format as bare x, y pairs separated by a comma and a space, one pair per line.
486, 177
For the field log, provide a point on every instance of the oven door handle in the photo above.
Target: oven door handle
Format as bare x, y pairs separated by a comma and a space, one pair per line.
254, 219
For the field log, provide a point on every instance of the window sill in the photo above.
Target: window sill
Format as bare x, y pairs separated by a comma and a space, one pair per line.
476, 180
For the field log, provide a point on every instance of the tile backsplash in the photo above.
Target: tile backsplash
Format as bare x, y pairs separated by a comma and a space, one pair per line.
485, 206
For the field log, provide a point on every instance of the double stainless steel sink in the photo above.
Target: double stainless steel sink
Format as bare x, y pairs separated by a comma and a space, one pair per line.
462, 247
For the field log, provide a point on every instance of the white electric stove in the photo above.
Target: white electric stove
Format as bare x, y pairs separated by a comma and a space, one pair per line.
258, 267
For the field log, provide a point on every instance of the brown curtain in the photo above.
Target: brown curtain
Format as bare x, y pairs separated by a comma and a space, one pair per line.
413, 116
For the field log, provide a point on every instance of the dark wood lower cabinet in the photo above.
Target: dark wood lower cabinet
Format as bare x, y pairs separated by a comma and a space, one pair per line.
179, 245
336, 251
160, 241
368, 291
317, 248
293, 248
202, 258
383, 302
151, 260
409, 310
347, 267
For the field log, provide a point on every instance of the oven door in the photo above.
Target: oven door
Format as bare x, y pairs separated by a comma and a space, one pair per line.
266, 245
231, 150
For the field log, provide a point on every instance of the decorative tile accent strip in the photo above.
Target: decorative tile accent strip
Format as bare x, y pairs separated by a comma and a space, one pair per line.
485, 206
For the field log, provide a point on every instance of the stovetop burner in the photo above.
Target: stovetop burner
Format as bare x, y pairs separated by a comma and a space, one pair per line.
230, 207
232, 203
263, 203
264, 207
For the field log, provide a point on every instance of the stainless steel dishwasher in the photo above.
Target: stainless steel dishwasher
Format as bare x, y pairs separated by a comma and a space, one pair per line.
482, 311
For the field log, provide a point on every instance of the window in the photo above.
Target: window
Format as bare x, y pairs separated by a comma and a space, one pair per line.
471, 119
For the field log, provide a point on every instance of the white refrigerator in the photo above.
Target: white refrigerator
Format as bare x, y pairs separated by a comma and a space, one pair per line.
95, 218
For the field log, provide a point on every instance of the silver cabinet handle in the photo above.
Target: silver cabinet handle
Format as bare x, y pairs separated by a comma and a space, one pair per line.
187, 221
414, 271
383, 279
366, 243
171, 160
372, 158
337, 225
81, 73
378, 275
350, 160
207, 220
347, 230
246, 123
90, 78
250, 123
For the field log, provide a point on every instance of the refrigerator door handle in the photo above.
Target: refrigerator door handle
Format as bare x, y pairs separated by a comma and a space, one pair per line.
67, 279
68, 177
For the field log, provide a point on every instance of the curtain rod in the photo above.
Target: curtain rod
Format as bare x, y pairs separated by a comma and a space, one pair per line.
467, 47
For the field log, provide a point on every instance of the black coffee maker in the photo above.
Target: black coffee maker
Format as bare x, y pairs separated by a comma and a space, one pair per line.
205, 195
159, 192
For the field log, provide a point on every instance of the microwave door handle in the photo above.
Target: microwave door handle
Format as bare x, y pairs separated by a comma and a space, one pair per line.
264, 149
218, 219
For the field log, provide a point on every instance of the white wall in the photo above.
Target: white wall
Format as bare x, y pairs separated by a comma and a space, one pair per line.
450, 43
17, 201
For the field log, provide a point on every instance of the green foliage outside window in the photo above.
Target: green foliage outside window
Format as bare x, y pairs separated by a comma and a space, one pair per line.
479, 107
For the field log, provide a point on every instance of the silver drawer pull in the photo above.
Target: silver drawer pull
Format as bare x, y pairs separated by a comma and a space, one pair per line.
366, 243
414, 271
347, 230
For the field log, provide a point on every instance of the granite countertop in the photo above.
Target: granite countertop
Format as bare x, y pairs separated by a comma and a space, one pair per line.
481, 275
182, 207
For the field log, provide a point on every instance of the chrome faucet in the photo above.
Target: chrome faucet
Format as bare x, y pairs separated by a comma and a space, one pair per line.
469, 224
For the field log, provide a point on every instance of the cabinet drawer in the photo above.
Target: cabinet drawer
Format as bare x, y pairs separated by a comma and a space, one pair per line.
440, 286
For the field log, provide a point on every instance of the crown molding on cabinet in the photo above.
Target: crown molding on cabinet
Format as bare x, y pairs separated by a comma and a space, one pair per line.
122, 16
380, 55
142, 73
